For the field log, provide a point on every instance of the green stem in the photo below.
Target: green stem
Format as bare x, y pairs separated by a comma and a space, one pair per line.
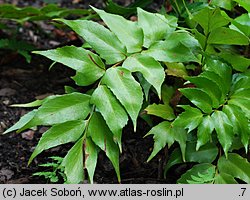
92, 59
87, 122
178, 9
189, 13
183, 28
89, 118
205, 48
216, 174
117, 64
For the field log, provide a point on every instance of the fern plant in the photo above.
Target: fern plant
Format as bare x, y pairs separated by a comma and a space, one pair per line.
127, 62
57, 170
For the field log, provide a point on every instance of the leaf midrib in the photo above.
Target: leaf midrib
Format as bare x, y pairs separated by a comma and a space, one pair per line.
106, 42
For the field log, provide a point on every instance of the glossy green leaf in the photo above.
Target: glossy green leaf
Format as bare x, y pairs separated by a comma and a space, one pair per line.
223, 178
176, 69
237, 144
243, 104
224, 129
220, 82
185, 38
236, 166
240, 82
111, 110
227, 4
165, 134
103, 138
205, 154
211, 88
151, 70
89, 67
91, 155
223, 70
242, 24
126, 11
198, 97
239, 122
210, 19
155, 26
220, 68
244, 93
128, 32
238, 62
162, 52
241, 98
35, 103
180, 136
126, 89
166, 93
23, 121
59, 134
204, 132
161, 110
200, 37
73, 163
107, 45
69, 89
146, 86
244, 3
60, 109
178, 47
195, 171
174, 159
229, 36
206, 178
247, 73
189, 119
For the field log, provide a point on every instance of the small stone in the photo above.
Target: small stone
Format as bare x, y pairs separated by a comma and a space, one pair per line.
5, 175
54, 43
55, 149
28, 135
32, 149
7, 92
6, 102
133, 18
3, 124
43, 129
2, 127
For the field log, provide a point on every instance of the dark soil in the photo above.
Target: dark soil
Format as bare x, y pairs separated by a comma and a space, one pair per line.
22, 82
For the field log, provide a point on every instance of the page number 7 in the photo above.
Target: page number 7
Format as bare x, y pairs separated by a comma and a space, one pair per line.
243, 191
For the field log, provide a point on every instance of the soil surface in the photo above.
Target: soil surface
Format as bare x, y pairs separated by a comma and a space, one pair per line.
22, 82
